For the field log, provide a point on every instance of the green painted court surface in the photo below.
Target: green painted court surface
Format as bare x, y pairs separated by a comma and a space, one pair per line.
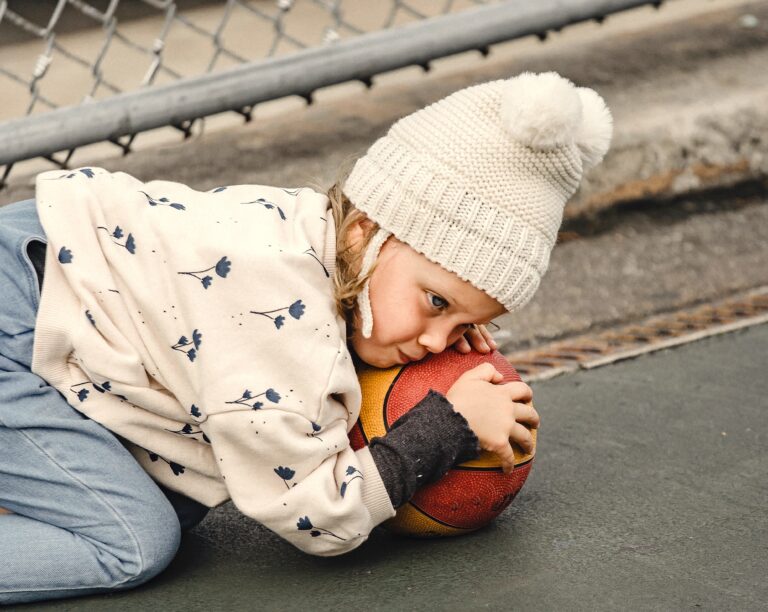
649, 492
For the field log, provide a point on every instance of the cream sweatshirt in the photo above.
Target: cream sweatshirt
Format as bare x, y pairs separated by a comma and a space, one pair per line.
200, 327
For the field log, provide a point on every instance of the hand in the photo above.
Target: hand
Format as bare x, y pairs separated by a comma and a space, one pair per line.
476, 337
496, 413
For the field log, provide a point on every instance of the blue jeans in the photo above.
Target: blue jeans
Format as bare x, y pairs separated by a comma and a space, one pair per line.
86, 517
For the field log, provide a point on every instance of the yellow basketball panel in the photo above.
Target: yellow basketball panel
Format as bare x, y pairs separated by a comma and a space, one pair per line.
411, 521
375, 384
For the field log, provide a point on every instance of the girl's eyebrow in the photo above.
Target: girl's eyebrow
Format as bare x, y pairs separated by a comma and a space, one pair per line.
456, 304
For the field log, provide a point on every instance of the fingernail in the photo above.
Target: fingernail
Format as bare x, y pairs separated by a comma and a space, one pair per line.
493, 343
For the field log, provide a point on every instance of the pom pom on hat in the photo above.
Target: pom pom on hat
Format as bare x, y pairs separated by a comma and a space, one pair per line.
545, 111
542, 111
594, 134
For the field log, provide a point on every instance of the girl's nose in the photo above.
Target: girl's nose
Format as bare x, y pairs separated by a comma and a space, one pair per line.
434, 339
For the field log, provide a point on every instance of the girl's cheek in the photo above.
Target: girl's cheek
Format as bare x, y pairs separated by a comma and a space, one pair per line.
409, 330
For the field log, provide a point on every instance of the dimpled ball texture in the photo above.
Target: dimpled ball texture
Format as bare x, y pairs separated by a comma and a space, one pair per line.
472, 493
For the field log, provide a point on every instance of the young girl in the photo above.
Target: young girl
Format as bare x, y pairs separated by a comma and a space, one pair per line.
193, 347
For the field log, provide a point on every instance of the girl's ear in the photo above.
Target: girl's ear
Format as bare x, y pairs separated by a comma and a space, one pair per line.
358, 232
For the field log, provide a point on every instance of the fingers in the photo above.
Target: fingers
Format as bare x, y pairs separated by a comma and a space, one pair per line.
487, 336
520, 435
485, 371
523, 437
462, 345
503, 450
479, 338
519, 391
526, 413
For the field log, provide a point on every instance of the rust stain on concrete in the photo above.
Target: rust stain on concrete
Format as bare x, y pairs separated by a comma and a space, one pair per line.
662, 184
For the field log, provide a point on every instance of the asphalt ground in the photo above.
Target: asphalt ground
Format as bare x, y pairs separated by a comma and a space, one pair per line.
648, 492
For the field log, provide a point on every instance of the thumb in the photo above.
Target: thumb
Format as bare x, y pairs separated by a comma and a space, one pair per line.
485, 371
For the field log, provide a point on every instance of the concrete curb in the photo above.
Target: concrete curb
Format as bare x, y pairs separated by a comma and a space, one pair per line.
691, 150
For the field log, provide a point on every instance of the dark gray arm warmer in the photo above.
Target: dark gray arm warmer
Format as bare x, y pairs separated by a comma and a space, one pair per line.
421, 446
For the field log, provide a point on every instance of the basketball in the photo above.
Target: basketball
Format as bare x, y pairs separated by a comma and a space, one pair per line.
471, 494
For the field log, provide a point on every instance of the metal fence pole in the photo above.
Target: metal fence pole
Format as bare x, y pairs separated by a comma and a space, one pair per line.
300, 73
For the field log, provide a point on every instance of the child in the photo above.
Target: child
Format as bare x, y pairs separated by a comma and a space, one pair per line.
191, 347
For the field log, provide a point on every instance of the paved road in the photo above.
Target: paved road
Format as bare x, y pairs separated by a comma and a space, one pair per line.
648, 493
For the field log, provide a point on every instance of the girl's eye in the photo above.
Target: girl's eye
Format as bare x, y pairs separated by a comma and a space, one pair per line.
437, 302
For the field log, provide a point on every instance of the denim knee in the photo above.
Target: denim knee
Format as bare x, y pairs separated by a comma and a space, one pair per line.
156, 541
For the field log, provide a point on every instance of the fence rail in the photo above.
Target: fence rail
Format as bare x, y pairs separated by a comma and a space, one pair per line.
361, 57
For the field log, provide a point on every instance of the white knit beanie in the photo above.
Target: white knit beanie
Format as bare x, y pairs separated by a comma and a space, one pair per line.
477, 182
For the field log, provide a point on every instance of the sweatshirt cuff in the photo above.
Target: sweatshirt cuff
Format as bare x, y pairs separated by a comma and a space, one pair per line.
375, 496
421, 446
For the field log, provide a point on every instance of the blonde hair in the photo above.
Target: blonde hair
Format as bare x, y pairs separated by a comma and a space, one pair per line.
347, 284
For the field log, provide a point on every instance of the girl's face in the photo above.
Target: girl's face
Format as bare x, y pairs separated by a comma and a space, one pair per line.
418, 308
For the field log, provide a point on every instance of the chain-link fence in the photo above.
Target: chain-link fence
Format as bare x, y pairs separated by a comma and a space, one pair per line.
104, 48
74, 72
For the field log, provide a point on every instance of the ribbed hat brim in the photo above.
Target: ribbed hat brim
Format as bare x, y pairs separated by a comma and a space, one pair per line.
475, 240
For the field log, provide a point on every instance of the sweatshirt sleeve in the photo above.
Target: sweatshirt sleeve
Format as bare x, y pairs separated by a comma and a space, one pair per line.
421, 446
323, 503
277, 402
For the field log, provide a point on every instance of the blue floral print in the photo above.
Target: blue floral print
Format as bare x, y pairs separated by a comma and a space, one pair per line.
162, 202
90, 318
218, 190
106, 387
246, 398
296, 310
116, 234
304, 524
65, 255
292, 192
221, 268
313, 254
175, 467
315, 431
195, 412
87, 172
82, 394
191, 431
354, 473
268, 205
184, 342
286, 474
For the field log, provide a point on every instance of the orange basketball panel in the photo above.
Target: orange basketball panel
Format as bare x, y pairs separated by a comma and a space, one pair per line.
469, 499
